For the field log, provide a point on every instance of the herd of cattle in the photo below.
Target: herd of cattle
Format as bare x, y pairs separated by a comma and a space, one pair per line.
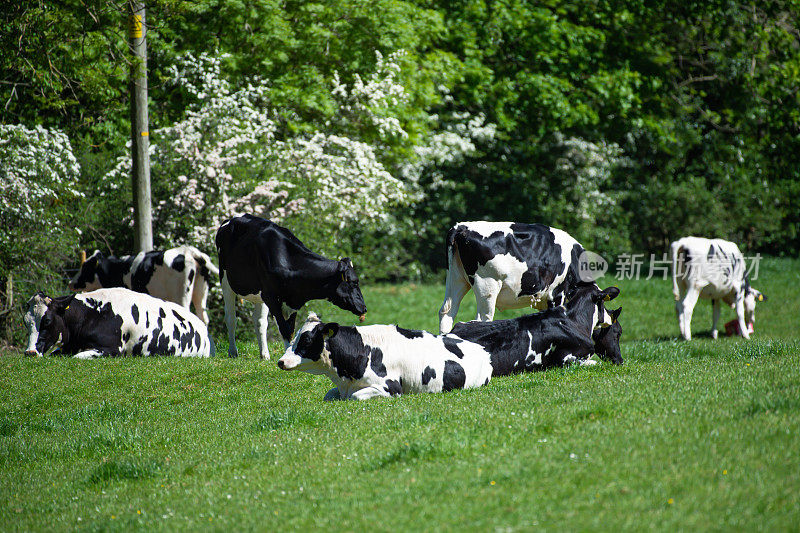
139, 305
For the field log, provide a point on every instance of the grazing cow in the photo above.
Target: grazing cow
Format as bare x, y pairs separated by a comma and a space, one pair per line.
553, 337
266, 264
177, 275
508, 265
713, 269
113, 322
368, 361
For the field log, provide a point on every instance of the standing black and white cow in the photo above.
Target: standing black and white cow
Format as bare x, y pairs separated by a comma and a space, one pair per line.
368, 361
508, 265
553, 337
713, 269
179, 275
113, 322
267, 265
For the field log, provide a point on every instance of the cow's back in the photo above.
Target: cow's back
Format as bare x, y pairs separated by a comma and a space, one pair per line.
714, 265
254, 251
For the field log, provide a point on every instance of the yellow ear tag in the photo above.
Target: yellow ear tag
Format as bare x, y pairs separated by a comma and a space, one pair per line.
760, 297
343, 277
67, 307
607, 298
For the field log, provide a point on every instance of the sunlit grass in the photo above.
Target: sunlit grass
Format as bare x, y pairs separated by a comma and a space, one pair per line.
685, 435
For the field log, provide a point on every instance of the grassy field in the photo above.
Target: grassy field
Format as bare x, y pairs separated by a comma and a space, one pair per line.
700, 436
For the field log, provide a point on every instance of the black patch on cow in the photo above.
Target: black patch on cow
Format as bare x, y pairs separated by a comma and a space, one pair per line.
139, 346
160, 324
349, 355
191, 276
393, 387
159, 344
376, 362
179, 263
177, 315
126, 336
409, 333
147, 320
141, 277
197, 340
135, 313
161, 313
428, 374
454, 376
176, 334
310, 344
710, 252
486, 382
451, 345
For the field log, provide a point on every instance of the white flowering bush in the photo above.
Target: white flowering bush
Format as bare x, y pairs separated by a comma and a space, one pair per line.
38, 182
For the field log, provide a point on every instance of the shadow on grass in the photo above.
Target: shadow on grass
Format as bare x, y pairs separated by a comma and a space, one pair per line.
124, 470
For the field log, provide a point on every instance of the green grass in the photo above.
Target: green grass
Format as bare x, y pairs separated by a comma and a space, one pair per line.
699, 435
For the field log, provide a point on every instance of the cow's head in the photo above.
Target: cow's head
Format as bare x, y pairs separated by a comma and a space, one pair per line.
606, 340
751, 297
308, 351
347, 293
586, 305
45, 322
87, 278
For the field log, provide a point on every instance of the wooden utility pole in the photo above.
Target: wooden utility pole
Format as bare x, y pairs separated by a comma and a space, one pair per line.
140, 134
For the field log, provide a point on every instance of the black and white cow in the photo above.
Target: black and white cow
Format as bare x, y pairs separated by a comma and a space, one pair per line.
267, 265
553, 337
179, 275
368, 361
114, 322
508, 265
713, 269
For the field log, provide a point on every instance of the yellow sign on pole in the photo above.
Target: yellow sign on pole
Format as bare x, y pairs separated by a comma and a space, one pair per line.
136, 27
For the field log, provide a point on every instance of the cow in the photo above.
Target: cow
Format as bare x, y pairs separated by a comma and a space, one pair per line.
508, 265
713, 269
380, 360
267, 265
553, 337
113, 322
179, 275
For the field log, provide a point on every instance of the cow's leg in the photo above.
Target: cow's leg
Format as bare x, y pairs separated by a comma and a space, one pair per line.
455, 288
714, 317
369, 392
285, 325
486, 291
740, 315
260, 316
199, 297
688, 303
229, 297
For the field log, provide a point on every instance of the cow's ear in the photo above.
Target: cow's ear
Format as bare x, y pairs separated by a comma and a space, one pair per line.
610, 293
615, 314
330, 329
63, 305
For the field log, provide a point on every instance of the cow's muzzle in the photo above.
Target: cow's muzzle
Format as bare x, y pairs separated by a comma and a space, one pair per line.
32, 353
362, 317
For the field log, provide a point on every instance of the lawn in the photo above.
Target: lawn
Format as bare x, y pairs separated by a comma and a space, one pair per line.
698, 435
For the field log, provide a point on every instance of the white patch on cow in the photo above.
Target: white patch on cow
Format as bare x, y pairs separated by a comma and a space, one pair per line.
537, 357
569, 358
485, 229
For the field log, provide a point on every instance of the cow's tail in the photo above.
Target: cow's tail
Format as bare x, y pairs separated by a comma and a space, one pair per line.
677, 262
204, 263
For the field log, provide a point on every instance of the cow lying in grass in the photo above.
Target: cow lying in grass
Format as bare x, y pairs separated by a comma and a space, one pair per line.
113, 322
553, 337
368, 361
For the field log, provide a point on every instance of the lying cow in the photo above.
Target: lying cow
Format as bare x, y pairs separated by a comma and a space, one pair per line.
177, 275
713, 269
267, 265
508, 265
368, 361
113, 322
553, 337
